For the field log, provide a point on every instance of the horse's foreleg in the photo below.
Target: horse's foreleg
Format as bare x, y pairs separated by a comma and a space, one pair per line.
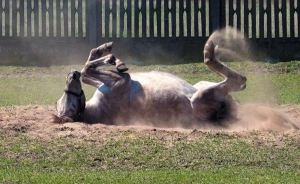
233, 80
90, 75
96, 53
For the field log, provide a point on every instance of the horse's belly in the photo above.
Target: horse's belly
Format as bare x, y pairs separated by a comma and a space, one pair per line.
161, 108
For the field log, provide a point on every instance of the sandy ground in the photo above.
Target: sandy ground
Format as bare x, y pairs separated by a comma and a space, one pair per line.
35, 120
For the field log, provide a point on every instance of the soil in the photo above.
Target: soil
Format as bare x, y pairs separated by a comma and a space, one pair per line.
35, 120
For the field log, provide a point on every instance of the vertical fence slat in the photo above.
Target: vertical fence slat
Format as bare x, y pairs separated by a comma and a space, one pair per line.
114, 18
196, 20
276, 16
277, 12
203, 17
158, 16
136, 19
173, 16
44, 11
21, 13
181, 11
298, 18
107, 16
7, 17
66, 18
269, 19
238, 14
36, 18
58, 19
222, 13
246, 17
79, 21
122, 12
143, 11
14, 18
188, 21
231, 13
51, 22
29, 19
284, 22
166, 18
1, 23
261, 19
151, 19
72, 13
253, 18
95, 10
292, 20
92, 6
129, 16
214, 14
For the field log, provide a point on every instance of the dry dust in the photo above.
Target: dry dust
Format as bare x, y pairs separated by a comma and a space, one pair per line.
35, 121
232, 46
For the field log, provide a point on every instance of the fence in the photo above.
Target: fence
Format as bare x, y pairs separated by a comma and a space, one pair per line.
63, 31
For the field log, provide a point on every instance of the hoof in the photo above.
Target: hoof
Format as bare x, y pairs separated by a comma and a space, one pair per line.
122, 67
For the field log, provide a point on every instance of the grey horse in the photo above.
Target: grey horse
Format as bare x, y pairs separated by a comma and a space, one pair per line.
149, 98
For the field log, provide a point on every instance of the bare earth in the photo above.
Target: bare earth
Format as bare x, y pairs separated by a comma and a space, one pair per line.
35, 121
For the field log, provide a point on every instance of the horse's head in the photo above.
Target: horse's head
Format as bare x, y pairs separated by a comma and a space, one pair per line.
72, 103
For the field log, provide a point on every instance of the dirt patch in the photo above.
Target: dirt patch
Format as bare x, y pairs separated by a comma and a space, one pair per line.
35, 121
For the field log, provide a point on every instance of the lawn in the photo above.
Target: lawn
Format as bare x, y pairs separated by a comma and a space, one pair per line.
71, 154
267, 83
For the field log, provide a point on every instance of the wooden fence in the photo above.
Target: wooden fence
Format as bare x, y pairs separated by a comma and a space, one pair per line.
162, 31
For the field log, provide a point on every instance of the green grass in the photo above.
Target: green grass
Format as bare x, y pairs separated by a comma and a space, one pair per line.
267, 83
219, 175
151, 156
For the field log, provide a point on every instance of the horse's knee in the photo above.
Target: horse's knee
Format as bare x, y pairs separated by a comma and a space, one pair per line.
236, 82
96, 53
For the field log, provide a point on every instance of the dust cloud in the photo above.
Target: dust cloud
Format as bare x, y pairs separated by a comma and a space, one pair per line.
250, 116
232, 46
262, 116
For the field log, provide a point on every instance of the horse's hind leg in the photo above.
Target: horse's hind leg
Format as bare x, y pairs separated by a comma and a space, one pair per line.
212, 101
233, 80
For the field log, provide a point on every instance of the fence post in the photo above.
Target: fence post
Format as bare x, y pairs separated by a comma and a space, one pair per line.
91, 19
214, 14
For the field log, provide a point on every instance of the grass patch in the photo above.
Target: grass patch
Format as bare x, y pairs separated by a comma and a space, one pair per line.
219, 175
267, 83
149, 157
